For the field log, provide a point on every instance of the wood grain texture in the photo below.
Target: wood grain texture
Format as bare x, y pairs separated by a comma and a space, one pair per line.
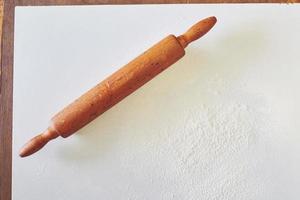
6, 68
6, 101
99, 2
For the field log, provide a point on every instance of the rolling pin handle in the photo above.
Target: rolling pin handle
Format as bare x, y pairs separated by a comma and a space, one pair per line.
197, 31
38, 142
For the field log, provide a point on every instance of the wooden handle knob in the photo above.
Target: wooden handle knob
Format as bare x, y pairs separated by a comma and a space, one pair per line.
38, 142
197, 31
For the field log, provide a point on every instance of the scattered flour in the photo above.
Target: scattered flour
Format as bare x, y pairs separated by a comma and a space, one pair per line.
208, 139
209, 149
213, 132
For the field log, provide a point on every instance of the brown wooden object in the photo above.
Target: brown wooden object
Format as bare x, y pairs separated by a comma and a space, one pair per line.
118, 86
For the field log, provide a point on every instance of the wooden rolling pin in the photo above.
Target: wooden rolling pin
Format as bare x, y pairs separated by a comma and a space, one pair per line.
117, 86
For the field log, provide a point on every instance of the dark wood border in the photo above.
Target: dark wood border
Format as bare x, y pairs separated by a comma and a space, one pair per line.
6, 83
101, 2
6, 73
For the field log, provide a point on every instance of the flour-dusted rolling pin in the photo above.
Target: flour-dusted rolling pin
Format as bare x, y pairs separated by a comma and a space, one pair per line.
117, 86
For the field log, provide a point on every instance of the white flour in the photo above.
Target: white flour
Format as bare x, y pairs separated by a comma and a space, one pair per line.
205, 149
209, 140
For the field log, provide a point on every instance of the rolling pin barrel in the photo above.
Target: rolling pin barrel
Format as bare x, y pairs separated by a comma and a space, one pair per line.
118, 86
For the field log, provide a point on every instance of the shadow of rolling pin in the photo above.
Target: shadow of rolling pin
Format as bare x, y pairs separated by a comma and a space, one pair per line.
118, 86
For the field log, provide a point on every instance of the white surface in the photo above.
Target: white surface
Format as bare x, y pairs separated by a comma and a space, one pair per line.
222, 123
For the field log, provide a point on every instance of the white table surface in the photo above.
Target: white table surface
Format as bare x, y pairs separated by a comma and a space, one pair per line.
222, 123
